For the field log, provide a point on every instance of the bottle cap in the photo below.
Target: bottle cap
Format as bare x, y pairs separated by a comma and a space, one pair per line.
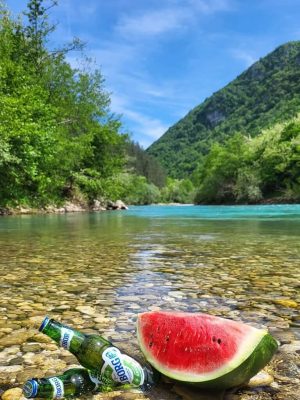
44, 323
30, 389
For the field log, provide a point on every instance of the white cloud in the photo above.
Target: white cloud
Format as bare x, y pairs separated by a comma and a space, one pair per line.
244, 56
153, 22
147, 128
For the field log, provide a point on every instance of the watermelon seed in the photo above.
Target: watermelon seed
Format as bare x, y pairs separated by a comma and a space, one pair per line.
150, 344
214, 339
167, 338
219, 341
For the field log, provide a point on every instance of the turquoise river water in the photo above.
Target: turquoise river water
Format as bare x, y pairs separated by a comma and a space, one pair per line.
97, 271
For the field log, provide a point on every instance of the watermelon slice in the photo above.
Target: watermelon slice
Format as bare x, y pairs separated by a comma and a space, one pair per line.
201, 349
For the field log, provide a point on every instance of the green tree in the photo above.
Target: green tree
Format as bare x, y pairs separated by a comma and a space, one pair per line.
219, 170
140, 163
55, 123
178, 191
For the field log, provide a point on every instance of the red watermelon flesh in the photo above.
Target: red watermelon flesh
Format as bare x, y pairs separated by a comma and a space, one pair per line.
200, 348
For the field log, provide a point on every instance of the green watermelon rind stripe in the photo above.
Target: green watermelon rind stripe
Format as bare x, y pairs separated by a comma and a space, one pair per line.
240, 373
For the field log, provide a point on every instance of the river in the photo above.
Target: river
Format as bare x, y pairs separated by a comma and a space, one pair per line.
97, 271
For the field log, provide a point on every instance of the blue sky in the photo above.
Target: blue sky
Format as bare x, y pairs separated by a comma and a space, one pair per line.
161, 58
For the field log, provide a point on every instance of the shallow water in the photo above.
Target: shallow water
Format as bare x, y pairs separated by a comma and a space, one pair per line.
96, 271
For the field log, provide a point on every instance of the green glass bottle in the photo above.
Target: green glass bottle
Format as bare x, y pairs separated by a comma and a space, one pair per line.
71, 383
95, 353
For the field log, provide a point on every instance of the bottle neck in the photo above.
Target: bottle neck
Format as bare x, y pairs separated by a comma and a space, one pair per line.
66, 337
74, 381
42, 388
152, 377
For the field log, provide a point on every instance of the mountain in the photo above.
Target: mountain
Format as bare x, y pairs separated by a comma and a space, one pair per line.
266, 93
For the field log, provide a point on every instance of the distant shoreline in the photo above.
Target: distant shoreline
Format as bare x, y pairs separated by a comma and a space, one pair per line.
74, 207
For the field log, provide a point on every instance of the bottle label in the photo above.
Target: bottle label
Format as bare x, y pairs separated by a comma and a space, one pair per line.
120, 368
94, 378
66, 336
58, 388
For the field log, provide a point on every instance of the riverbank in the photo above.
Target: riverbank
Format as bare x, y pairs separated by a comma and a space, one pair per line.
108, 205
67, 207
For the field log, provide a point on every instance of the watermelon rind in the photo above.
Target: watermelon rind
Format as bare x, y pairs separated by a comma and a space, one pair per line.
255, 352
240, 375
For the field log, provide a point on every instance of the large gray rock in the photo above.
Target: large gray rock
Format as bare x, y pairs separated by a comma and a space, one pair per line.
97, 205
72, 207
117, 205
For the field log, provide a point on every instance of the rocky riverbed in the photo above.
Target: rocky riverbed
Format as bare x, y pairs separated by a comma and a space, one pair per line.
97, 279
26, 353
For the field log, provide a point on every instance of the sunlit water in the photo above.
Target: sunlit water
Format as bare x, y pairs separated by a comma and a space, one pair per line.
97, 271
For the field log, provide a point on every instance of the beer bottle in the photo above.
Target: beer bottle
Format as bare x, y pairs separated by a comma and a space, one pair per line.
71, 383
95, 353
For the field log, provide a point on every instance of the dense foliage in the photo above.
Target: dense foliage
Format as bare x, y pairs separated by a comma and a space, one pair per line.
247, 170
140, 163
56, 132
265, 94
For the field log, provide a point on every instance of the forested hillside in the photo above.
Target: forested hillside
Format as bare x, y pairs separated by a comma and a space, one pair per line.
267, 93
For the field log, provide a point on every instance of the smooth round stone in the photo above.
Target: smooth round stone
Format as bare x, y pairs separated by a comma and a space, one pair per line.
14, 326
29, 373
285, 337
31, 347
263, 378
103, 320
6, 330
286, 303
17, 337
13, 394
8, 373
49, 346
16, 361
41, 338
63, 307
9, 350
39, 306
293, 347
86, 310
36, 321
45, 361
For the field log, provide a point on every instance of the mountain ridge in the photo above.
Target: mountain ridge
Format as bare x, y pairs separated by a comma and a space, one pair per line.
264, 94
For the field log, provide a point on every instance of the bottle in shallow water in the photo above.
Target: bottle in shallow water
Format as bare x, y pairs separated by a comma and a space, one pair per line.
73, 382
95, 353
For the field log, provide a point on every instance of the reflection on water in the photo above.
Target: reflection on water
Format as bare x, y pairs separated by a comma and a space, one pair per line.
97, 271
